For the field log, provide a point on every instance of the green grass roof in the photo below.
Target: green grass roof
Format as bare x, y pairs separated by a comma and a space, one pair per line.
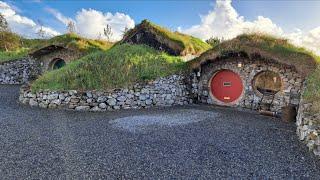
72, 41
23, 47
121, 66
185, 44
265, 46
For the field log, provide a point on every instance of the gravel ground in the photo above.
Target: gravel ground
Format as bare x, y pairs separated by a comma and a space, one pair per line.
190, 142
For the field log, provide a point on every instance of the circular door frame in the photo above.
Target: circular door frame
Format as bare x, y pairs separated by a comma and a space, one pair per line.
217, 101
53, 62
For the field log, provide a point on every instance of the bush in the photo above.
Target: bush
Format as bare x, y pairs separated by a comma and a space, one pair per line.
9, 41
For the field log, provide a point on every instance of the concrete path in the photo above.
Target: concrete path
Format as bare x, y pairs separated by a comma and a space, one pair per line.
191, 142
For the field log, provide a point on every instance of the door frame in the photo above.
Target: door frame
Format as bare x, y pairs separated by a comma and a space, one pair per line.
217, 101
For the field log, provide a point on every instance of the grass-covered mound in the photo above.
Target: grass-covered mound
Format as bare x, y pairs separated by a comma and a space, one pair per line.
264, 46
120, 66
13, 46
75, 42
181, 43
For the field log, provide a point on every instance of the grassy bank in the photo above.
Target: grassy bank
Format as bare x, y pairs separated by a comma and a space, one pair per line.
120, 66
12, 55
312, 93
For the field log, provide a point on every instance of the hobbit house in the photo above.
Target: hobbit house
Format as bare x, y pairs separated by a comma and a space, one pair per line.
249, 77
173, 43
54, 57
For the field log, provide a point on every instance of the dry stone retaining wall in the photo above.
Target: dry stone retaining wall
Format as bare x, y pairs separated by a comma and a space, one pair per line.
18, 71
167, 91
308, 126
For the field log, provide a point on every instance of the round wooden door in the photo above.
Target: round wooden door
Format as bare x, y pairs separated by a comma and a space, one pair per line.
226, 86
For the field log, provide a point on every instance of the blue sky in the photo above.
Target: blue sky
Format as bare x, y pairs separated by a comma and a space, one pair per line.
298, 21
175, 13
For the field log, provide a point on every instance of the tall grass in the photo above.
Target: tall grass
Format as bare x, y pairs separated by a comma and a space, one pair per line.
121, 66
312, 92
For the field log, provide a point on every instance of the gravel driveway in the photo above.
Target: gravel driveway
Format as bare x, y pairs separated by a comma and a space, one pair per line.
191, 142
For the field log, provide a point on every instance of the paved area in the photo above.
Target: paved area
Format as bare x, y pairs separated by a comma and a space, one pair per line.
191, 142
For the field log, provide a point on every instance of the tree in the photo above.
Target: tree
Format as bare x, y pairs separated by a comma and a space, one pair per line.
41, 33
3, 23
213, 41
71, 27
107, 31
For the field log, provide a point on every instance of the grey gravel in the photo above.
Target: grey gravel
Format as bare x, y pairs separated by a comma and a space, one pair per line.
152, 122
40, 143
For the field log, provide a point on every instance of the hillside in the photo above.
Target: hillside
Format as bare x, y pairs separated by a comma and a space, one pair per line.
160, 38
121, 66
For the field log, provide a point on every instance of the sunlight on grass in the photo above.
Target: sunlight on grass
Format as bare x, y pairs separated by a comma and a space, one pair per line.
119, 67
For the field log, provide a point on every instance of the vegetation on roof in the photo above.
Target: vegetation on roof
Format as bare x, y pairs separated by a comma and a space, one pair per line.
13, 46
184, 43
119, 67
75, 42
268, 47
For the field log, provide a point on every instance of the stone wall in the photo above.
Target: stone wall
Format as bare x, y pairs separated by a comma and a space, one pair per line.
18, 71
308, 127
250, 98
167, 91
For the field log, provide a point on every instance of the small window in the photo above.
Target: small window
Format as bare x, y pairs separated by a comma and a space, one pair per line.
226, 84
267, 83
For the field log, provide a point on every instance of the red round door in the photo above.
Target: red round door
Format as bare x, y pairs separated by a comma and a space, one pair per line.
226, 86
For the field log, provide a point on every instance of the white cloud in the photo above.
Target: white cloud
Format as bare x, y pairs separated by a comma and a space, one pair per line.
224, 22
23, 25
90, 23
309, 40
59, 16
